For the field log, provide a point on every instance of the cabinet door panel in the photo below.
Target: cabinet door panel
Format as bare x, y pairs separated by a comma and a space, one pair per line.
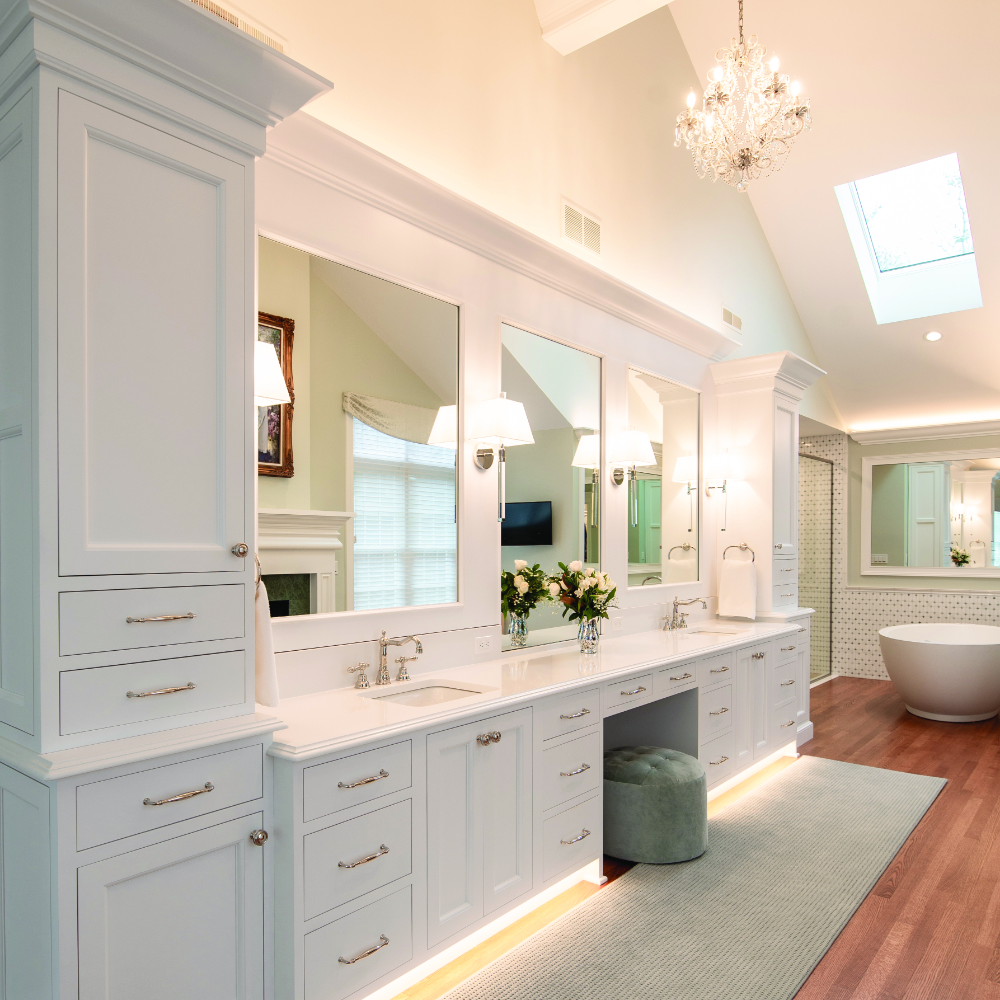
786, 477
152, 349
742, 724
506, 797
454, 833
184, 918
760, 708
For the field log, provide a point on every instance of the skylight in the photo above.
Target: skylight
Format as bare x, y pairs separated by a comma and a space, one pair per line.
911, 234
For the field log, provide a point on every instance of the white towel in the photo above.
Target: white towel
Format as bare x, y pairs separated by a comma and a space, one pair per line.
738, 589
266, 673
682, 569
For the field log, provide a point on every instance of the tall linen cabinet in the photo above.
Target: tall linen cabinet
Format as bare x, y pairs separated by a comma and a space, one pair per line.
128, 137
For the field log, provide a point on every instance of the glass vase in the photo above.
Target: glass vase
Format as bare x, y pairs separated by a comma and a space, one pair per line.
517, 631
588, 635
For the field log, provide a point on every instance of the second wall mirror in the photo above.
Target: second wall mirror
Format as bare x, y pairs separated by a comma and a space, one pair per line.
660, 457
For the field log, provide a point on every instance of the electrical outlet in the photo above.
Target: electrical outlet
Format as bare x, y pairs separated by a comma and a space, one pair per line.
485, 643
617, 623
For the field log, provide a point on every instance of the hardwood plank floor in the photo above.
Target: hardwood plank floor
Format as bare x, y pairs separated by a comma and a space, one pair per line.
930, 929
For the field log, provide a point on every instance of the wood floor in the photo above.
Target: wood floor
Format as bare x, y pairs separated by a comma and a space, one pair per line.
930, 929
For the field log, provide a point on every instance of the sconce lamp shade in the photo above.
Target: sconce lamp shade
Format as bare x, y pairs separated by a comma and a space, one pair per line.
685, 469
269, 387
588, 452
444, 433
633, 448
501, 421
723, 467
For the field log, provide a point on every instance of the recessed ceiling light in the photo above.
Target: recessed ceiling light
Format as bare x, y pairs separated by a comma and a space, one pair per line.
933, 335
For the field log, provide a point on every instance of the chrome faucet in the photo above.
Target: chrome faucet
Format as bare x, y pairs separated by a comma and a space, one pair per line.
383, 677
679, 618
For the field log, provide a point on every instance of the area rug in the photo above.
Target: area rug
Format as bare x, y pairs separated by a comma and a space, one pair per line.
786, 867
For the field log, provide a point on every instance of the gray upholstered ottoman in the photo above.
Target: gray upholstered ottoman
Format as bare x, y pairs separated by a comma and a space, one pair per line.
655, 805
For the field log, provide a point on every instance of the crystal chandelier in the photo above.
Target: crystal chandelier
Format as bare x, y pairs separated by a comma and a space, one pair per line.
751, 116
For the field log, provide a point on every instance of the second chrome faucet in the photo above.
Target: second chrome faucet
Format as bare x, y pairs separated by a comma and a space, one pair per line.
382, 677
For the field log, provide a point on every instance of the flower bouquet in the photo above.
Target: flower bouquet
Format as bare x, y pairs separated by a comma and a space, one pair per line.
588, 595
520, 593
960, 557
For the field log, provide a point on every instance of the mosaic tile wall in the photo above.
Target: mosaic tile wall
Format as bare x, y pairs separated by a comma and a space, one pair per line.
815, 568
859, 614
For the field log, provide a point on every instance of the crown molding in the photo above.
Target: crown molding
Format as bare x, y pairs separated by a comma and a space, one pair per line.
927, 432
316, 150
781, 370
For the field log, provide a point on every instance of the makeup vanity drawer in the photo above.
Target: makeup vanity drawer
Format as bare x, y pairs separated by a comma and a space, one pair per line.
718, 757
571, 712
715, 670
97, 621
371, 941
97, 698
571, 769
715, 711
145, 800
350, 781
628, 692
785, 595
345, 861
570, 837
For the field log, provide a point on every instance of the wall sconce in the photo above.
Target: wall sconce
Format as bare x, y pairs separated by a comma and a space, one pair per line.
444, 433
962, 512
686, 471
588, 456
720, 470
269, 388
632, 448
499, 423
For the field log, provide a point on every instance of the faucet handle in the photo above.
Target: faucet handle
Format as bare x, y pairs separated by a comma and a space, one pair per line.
362, 681
404, 674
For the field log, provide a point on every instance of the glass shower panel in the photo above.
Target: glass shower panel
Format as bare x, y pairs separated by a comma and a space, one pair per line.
816, 558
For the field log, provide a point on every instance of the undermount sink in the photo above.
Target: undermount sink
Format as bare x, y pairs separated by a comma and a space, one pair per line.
425, 693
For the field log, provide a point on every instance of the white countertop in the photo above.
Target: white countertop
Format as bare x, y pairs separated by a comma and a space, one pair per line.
338, 719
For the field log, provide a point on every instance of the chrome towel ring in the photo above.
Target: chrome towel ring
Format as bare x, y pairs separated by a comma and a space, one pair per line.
687, 547
743, 547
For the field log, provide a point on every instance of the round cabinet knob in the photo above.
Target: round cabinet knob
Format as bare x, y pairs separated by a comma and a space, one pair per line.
241, 549
258, 838
495, 736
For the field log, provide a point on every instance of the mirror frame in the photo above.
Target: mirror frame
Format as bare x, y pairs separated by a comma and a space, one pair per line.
867, 462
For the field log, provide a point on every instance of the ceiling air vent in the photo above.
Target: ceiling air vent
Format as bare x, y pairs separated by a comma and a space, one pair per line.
238, 22
581, 228
732, 320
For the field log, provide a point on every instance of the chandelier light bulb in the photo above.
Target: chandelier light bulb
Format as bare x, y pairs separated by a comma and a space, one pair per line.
795, 89
717, 74
691, 99
774, 64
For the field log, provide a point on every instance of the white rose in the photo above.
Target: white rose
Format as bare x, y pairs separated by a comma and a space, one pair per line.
575, 566
590, 571
521, 584
520, 564
553, 590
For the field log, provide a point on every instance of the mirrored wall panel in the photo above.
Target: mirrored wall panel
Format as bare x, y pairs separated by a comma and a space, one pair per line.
357, 478
552, 485
660, 457
936, 514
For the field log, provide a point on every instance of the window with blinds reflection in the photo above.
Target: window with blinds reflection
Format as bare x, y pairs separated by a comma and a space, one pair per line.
404, 521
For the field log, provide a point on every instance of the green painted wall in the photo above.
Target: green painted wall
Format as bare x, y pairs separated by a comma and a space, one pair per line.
889, 512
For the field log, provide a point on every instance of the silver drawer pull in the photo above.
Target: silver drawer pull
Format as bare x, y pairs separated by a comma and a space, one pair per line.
487, 738
160, 618
716, 763
209, 787
757, 656
803, 630
785, 684
787, 649
576, 840
579, 770
638, 690
788, 570
721, 670
788, 595
149, 694
722, 711
383, 941
365, 781
785, 725
683, 677
577, 715
371, 857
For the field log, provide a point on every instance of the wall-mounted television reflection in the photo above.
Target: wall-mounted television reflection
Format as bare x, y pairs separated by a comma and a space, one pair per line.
528, 523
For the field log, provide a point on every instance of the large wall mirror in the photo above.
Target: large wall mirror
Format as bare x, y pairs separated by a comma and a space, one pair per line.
933, 517
357, 492
552, 486
660, 456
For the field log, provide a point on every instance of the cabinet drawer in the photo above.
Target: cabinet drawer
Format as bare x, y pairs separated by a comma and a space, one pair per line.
387, 922
788, 647
718, 757
105, 697
120, 807
571, 837
676, 677
571, 769
715, 670
785, 595
631, 691
715, 711
97, 621
784, 681
570, 712
783, 726
349, 781
345, 861
786, 571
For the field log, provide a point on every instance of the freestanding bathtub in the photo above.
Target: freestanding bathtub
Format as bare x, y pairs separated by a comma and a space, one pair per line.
946, 672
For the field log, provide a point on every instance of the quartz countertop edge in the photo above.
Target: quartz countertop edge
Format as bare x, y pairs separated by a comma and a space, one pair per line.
339, 719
